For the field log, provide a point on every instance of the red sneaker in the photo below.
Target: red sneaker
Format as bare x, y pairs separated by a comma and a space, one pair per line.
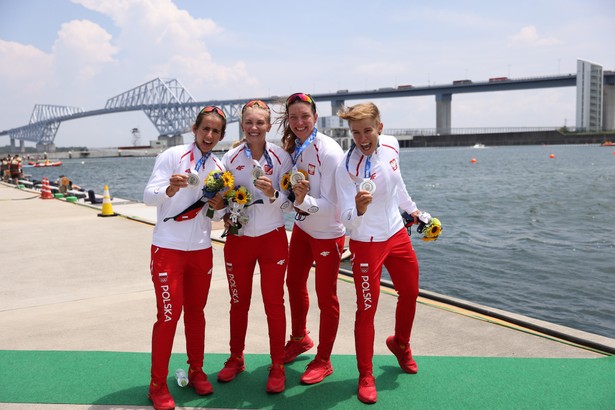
198, 380
316, 371
232, 367
367, 389
403, 354
295, 346
160, 396
277, 378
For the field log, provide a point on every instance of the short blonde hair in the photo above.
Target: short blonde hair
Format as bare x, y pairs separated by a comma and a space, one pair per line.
359, 112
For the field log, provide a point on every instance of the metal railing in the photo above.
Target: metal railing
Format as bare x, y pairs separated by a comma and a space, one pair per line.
466, 131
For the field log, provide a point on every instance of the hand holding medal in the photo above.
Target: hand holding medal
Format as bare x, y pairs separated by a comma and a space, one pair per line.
194, 181
368, 185
296, 177
257, 172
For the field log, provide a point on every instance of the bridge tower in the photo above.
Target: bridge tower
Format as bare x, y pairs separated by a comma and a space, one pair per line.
166, 103
443, 113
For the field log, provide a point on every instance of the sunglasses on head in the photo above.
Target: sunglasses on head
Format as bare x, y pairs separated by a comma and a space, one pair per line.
256, 103
213, 108
299, 97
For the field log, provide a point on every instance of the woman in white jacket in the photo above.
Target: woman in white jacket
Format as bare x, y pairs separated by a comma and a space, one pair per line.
371, 192
181, 254
258, 166
318, 234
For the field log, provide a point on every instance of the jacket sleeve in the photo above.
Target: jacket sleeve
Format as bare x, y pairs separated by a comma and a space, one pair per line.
403, 197
326, 204
155, 190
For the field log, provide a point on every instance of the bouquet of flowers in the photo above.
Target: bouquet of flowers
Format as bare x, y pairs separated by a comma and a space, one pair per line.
432, 230
429, 226
238, 198
215, 182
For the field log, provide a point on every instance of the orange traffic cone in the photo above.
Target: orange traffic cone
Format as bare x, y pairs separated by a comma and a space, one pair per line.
46, 190
107, 208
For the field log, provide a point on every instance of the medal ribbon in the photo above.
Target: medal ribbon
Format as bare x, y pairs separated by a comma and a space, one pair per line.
299, 150
368, 163
267, 157
201, 162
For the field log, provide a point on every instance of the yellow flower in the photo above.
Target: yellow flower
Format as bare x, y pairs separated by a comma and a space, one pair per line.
241, 196
433, 230
285, 183
228, 178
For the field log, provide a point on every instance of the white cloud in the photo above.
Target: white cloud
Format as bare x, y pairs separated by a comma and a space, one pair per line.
25, 70
168, 42
528, 35
82, 50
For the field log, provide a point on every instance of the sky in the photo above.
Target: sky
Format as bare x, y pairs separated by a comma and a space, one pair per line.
80, 53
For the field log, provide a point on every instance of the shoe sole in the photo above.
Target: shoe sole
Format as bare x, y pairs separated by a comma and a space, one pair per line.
243, 368
288, 360
159, 408
391, 347
203, 393
315, 381
367, 401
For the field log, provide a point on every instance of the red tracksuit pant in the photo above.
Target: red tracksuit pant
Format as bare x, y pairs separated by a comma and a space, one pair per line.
327, 253
240, 255
398, 256
181, 281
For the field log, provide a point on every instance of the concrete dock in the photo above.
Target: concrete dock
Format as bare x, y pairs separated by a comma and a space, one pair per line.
75, 281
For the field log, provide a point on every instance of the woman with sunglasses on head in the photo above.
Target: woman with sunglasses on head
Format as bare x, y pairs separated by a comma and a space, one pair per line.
318, 234
258, 166
371, 191
181, 254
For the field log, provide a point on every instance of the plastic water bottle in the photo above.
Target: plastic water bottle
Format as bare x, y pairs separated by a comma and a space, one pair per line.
182, 379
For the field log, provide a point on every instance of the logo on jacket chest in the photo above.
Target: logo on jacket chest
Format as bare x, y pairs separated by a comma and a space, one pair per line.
311, 169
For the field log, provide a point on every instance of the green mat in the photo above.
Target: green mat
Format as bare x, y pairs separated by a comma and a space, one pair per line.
110, 378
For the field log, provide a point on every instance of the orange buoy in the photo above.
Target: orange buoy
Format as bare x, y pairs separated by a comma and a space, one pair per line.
46, 189
552, 156
473, 160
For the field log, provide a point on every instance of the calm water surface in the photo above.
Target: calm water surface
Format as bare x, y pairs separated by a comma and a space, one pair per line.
523, 232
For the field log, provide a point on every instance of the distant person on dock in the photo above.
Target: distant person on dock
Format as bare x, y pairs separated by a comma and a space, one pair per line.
181, 253
371, 192
258, 166
65, 185
16, 169
318, 234
6, 171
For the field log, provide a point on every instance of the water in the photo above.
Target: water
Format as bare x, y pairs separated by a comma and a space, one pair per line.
523, 232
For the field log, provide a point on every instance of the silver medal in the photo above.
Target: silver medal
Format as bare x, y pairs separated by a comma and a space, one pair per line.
193, 180
257, 172
368, 185
296, 177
